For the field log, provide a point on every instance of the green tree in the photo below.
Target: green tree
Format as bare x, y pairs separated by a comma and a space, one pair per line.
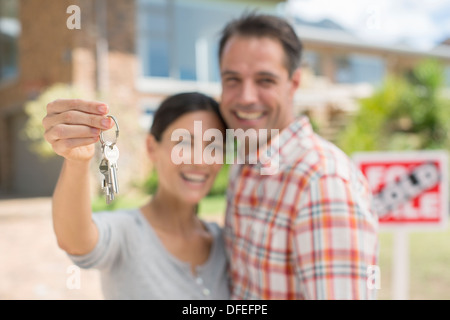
36, 111
406, 112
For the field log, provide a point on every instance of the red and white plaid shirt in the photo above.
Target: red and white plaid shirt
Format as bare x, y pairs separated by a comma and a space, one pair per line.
305, 232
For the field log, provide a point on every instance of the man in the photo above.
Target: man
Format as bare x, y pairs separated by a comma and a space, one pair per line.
306, 231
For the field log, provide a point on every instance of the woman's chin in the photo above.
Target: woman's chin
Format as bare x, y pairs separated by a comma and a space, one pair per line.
194, 192
193, 198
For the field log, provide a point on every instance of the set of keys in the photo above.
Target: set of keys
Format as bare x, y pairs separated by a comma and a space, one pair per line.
108, 165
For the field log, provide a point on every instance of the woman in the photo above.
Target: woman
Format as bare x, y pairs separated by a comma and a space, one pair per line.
161, 250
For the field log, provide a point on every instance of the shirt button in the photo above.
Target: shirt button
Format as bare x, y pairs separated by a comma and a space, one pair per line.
199, 281
206, 292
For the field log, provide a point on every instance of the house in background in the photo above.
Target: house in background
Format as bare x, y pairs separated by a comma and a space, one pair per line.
133, 53
128, 53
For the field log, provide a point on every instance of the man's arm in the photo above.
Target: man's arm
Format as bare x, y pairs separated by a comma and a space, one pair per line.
335, 240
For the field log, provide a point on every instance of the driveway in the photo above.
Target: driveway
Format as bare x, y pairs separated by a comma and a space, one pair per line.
32, 267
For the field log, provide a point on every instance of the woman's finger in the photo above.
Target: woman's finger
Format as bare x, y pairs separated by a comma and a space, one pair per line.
62, 147
63, 131
74, 117
63, 105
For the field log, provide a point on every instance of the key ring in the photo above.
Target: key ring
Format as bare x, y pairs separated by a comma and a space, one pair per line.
117, 133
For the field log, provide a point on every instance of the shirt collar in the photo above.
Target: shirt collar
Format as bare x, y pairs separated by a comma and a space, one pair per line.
271, 156
300, 128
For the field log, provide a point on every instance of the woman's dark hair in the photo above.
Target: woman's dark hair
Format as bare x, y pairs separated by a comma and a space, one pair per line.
179, 104
252, 24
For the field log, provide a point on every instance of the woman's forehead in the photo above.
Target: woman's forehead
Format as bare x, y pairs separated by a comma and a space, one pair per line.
195, 122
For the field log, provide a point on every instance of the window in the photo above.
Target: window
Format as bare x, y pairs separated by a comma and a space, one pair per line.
148, 109
356, 68
312, 60
447, 76
153, 39
9, 34
178, 39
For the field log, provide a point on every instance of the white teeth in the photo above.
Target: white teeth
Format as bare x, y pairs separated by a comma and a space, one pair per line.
194, 177
249, 115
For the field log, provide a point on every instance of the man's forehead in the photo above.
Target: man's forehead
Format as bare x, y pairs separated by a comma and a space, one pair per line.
239, 41
261, 73
262, 53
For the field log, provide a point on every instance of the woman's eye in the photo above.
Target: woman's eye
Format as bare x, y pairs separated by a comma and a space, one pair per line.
217, 145
185, 143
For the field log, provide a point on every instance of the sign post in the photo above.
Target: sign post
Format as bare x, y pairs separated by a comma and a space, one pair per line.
410, 192
400, 266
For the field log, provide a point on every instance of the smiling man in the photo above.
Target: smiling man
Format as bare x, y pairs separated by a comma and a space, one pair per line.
306, 231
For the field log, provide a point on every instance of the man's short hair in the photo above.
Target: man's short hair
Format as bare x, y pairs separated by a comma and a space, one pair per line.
263, 25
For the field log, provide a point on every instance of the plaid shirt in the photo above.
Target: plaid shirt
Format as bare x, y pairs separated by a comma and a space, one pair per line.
304, 232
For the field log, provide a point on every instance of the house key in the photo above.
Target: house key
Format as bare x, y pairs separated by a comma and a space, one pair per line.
108, 165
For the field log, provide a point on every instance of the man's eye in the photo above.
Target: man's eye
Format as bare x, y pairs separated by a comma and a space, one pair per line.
267, 81
231, 80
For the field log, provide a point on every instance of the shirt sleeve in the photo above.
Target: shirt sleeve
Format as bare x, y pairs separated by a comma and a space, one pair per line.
335, 240
107, 249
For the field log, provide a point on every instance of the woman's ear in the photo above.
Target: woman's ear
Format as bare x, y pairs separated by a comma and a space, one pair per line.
152, 146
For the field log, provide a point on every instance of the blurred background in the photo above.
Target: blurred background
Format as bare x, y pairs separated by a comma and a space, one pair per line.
376, 77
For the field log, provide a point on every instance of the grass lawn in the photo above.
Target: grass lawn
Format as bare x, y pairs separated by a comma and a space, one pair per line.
429, 252
212, 206
429, 265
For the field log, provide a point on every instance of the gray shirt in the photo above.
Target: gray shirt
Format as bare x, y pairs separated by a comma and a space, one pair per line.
134, 264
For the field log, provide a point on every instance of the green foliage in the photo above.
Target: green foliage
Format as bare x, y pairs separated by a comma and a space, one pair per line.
221, 183
151, 183
36, 111
405, 113
212, 206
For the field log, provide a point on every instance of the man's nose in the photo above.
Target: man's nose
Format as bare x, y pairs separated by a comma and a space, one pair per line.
248, 94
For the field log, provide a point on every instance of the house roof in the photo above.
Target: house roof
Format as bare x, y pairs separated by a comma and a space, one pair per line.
341, 37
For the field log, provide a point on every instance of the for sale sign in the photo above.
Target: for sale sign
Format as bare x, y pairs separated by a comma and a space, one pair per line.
410, 189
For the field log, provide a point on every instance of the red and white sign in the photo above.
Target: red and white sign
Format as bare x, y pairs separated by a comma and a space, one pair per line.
410, 189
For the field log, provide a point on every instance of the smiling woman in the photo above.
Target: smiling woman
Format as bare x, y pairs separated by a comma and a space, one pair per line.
189, 180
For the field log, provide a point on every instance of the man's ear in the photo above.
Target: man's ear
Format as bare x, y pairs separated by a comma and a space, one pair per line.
295, 79
152, 145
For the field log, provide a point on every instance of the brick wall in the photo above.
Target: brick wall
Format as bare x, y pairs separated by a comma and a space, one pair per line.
44, 58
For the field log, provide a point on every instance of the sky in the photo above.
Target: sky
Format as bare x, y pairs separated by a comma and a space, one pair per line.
421, 24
